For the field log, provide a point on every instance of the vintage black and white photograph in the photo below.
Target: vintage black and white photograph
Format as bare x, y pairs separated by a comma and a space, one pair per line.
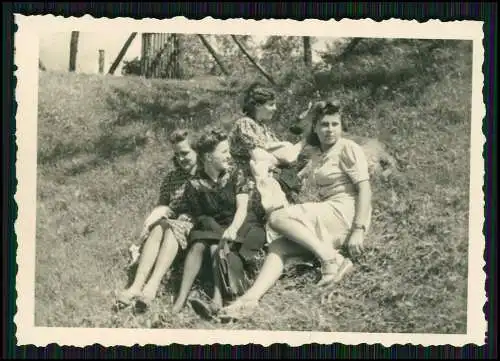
197, 181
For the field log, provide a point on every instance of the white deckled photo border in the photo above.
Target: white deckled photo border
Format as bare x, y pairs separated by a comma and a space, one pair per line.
26, 59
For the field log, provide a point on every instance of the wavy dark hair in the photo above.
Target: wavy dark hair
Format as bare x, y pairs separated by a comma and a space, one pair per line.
317, 112
209, 140
256, 94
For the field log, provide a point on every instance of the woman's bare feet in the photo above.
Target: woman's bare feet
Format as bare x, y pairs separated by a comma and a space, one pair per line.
127, 296
147, 296
177, 307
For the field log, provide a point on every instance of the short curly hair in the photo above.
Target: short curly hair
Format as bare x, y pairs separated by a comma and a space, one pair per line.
210, 139
317, 112
256, 94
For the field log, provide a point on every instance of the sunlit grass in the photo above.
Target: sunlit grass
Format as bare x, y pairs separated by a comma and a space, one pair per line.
101, 161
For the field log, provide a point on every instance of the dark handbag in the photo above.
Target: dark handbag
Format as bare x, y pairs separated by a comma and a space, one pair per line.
231, 272
289, 181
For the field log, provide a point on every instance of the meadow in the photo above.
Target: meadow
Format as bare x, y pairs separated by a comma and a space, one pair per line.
102, 151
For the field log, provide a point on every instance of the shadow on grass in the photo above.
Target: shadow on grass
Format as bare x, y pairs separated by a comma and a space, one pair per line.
164, 108
106, 148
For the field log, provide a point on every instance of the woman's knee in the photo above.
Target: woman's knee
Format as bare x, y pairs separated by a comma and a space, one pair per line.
276, 219
156, 234
198, 246
213, 249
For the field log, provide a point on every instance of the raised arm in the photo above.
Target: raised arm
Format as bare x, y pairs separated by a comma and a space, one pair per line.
288, 152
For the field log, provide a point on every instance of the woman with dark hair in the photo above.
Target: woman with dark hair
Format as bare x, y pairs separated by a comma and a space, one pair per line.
338, 170
216, 198
259, 152
163, 233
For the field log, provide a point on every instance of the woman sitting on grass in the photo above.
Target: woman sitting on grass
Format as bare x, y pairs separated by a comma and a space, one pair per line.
338, 170
259, 152
217, 200
162, 234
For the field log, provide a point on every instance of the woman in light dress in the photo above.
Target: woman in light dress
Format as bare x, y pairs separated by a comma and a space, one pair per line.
338, 170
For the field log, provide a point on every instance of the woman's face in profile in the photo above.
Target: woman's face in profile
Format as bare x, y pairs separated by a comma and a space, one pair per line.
329, 129
220, 158
265, 112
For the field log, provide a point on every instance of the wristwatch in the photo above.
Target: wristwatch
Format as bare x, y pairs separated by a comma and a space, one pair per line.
359, 226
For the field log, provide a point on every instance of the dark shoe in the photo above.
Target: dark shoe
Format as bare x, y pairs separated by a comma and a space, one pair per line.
207, 310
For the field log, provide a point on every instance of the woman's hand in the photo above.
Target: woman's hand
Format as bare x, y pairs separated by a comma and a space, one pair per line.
355, 243
259, 169
230, 234
156, 214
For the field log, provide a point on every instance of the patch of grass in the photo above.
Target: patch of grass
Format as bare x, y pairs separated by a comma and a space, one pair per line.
102, 153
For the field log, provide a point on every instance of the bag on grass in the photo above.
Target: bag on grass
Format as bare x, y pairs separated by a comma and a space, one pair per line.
231, 272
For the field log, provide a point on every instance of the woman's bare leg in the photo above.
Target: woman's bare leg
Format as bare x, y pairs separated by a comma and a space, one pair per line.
146, 262
296, 232
166, 256
272, 269
192, 265
217, 296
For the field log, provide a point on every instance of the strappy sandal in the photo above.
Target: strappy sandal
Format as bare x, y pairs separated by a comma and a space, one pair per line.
329, 271
329, 276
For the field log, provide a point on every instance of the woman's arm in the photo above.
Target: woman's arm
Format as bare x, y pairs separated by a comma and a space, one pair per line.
241, 211
278, 152
231, 232
363, 201
289, 152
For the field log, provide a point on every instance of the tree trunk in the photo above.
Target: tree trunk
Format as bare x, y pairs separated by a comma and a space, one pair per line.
145, 59
122, 53
73, 50
214, 54
307, 51
177, 55
242, 48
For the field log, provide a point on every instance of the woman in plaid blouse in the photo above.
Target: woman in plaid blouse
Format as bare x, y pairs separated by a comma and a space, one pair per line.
163, 233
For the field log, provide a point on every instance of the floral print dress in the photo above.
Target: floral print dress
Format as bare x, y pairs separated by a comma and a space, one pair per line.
270, 185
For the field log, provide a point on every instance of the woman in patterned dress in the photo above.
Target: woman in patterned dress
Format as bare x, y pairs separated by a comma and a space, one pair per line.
163, 234
216, 198
338, 170
260, 153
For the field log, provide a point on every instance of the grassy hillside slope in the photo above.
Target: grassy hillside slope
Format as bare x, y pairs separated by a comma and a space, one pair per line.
102, 153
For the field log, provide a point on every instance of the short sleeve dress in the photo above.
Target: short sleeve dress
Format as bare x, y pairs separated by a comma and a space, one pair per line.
246, 135
212, 207
333, 175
